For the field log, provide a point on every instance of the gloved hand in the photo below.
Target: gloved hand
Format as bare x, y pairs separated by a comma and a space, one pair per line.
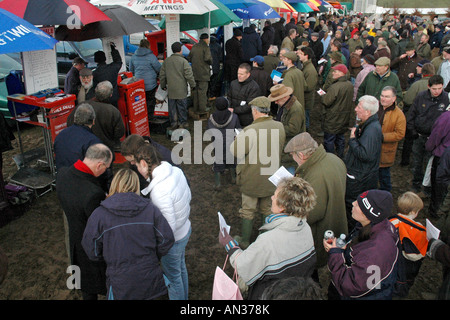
227, 241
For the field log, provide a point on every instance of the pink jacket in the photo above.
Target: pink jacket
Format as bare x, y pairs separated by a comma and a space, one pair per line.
360, 77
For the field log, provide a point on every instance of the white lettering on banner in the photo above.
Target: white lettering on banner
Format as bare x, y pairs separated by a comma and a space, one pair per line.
13, 34
266, 13
168, 1
165, 7
369, 207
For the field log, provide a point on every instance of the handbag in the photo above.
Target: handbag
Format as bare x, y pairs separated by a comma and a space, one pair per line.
225, 288
427, 175
160, 94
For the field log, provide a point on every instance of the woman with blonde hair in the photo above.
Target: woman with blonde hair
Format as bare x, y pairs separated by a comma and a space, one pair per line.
131, 235
285, 247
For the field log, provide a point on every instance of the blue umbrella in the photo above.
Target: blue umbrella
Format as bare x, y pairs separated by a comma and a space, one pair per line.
235, 4
256, 11
18, 35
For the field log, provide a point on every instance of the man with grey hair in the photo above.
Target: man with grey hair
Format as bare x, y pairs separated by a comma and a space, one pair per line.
109, 126
258, 152
271, 60
72, 143
363, 156
80, 193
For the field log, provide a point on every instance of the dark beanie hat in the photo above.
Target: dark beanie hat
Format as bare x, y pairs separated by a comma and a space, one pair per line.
371, 39
376, 205
370, 59
221, 103
99, 56
237, 32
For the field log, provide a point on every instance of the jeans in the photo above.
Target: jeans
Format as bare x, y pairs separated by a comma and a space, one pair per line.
330, 141
307, 113
384, 177
174, 268
178, 111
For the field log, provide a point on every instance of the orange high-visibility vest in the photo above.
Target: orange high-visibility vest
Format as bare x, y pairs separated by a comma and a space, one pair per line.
412, 230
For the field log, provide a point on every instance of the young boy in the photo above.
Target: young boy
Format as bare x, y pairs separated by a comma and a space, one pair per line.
413, 241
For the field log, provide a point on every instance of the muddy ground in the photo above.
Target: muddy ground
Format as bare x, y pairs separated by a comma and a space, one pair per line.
34, 242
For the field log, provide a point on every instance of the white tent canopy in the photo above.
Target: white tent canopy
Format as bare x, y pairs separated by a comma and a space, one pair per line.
424, 11
144, 7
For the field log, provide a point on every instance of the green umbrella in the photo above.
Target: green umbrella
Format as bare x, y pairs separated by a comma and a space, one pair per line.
220, 17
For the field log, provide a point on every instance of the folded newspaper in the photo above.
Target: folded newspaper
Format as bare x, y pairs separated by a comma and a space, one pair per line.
280, 174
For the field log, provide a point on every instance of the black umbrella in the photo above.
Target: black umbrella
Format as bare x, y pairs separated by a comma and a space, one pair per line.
123, 21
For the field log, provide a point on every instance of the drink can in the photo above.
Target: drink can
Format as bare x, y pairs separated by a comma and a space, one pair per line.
329, 235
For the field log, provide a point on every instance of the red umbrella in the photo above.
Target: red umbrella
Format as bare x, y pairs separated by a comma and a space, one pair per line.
54, 12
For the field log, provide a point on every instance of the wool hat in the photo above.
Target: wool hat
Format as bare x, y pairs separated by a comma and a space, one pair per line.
237, 32
221, 103
204, 36
371, 39
279, 91
291, 56
383, 61
300, 142
315, 34
422, 62
99, 56
258, 59
410, 46
375, 204
340, 67
336, 56
85, 72
261, 102
370, 59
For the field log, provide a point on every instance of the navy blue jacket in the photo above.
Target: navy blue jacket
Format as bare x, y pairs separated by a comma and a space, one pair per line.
251, 44
363, 155
71, 145
131, 235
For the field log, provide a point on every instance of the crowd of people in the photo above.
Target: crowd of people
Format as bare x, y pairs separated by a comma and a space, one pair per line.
395, 79
128, 230
392, 78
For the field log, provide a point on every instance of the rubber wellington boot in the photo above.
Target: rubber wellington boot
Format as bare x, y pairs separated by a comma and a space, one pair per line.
246, 231
233, 175
217, 183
